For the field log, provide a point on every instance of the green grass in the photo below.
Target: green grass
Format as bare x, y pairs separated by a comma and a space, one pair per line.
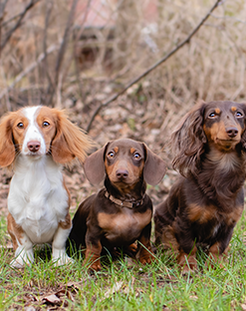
124, 284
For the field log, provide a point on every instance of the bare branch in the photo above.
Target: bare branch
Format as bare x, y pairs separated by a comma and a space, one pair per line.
18, 23
87, 9
12, 18
150, 69
63, 47
28, 69
2, 8
49, 7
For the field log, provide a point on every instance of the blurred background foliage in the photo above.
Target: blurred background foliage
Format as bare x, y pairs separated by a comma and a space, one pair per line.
75, 54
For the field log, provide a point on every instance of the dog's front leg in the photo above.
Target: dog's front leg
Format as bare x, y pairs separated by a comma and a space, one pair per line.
218, 252
59, 256
93, 248
21, 244
146, 253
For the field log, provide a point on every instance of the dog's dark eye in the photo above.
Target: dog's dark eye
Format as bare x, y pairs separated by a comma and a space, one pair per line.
238, 114
212, 115
45, 124
111, 154
137, 156
20, 125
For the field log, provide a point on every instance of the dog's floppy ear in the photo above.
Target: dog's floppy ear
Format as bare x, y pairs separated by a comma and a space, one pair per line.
94, 166
154, 167
7, 147
243, 138
70, 141
188, 141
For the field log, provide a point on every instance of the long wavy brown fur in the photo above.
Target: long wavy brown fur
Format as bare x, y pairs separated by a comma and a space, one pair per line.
188, 141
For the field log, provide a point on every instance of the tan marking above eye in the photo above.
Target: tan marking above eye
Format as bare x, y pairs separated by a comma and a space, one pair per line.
217, 110
116, 149
233, 109
132, 150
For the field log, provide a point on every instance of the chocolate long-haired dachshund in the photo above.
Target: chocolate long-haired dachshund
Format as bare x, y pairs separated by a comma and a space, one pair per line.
120, 213
205, 204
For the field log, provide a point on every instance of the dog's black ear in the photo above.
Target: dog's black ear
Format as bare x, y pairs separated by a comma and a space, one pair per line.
94, 166
154, 167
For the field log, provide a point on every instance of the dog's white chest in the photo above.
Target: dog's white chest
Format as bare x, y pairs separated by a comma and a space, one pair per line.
38, 202
40, 224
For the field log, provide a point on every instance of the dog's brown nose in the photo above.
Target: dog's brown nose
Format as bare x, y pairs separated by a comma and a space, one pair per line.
33, 146
122, 174
232, 131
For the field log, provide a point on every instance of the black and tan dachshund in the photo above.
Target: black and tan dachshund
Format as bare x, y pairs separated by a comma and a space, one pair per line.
120, 213
206, 202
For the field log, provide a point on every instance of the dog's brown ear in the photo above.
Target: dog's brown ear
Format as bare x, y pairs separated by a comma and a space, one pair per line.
243, 138
188, 141
70, 141
94, 166
7, 147
154, 167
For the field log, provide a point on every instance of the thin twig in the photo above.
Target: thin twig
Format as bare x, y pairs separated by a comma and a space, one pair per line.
2, 8
2, 11
28, 69
63, 48
87, 9
162, 60
11, 19
18, 23
49, 7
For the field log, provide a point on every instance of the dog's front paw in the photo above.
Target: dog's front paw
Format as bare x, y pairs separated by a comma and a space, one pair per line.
187, 263
146, 259
23, 257
92, 262
94, 266
215, 260
146, 256
60, 258
18, 263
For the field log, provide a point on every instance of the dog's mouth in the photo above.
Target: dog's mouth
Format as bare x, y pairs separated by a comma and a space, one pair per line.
34, 154
124, 183
227, 143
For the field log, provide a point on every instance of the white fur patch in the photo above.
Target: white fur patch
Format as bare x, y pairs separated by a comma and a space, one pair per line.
33, 132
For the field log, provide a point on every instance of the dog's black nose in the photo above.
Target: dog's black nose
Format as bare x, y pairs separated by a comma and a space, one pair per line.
33, 146
122, 174
232, 131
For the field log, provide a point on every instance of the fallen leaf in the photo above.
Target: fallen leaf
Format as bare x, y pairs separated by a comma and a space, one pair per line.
53, 299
